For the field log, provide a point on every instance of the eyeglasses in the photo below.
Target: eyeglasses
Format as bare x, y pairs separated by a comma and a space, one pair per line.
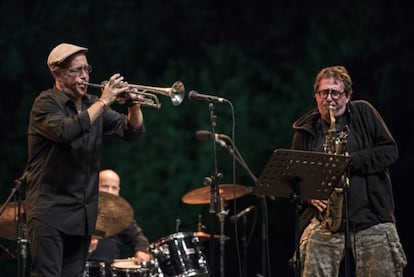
334, 93
78, 70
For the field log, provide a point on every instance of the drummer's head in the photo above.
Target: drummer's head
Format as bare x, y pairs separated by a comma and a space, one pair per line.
109, 181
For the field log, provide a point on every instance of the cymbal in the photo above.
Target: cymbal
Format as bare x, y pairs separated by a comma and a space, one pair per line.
8, 223
114, 215
204, 236
202, 195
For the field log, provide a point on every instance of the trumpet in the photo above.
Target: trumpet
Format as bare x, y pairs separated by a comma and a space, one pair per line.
149, 99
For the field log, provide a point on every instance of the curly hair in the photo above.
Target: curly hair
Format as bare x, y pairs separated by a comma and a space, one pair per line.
337, 72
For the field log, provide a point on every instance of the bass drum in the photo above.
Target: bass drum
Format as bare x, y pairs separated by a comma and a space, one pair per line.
179, 254
128, 268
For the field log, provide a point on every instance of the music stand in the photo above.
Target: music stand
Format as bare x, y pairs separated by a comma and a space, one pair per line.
294, 174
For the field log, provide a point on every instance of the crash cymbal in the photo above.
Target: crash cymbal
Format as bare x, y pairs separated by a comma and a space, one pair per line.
202, 195
204, 236
114, 215
8, 223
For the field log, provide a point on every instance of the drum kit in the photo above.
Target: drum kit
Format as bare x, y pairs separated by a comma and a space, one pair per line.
178, 254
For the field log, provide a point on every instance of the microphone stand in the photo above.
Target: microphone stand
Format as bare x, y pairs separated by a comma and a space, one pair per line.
222, 215
233, 151
21, 240
347, 256
214, 193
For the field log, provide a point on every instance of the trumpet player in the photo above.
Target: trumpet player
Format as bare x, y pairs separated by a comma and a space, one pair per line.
374, 240
64, 150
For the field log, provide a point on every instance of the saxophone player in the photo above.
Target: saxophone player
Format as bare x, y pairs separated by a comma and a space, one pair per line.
375, 243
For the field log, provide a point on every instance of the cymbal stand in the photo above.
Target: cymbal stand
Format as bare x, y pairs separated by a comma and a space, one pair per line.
21, 240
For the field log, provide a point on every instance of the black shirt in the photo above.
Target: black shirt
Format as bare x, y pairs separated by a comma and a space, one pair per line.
64, 160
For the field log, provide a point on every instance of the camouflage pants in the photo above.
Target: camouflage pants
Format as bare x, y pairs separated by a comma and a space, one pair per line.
377, 251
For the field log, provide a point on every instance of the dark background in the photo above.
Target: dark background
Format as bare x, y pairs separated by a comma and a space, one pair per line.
262, 56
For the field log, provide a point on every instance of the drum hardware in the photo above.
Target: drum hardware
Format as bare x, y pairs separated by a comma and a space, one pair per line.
179, 254
202, 195
203, 236
177, 225
114, 215
200, 225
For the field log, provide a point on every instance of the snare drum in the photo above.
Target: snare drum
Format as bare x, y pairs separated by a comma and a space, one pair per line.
94, 269
179, 254
128, 268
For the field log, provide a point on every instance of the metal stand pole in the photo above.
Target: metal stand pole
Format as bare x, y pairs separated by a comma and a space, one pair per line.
222, 216
214, 190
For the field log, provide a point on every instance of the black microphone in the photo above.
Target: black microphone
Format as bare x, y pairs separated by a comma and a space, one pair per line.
194, 95
204, 135
234, 218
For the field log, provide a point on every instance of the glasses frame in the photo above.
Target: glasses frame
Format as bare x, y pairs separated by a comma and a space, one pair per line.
334, 93
76, 71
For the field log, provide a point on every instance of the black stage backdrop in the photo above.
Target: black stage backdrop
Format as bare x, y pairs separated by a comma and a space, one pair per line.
262, 56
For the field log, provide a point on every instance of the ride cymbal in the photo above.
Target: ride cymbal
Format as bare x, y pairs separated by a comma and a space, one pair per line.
8, 223
202, 195
114, 215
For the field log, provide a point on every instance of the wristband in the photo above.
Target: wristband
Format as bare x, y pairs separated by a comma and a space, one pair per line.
104, 104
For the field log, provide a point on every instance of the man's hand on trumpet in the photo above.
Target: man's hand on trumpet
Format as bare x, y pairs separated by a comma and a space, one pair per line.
132, 97
112, 89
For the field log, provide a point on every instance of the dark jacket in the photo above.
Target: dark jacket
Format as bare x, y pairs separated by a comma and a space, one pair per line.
64, 160
372, 149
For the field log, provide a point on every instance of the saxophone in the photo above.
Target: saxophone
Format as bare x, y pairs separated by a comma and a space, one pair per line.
335, 144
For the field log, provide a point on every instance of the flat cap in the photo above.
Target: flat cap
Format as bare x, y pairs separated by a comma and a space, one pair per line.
61, 52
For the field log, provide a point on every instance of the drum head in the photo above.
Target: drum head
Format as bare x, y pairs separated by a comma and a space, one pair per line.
121, 264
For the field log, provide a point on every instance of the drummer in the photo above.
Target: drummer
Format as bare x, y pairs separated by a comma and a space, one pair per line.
107, 249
